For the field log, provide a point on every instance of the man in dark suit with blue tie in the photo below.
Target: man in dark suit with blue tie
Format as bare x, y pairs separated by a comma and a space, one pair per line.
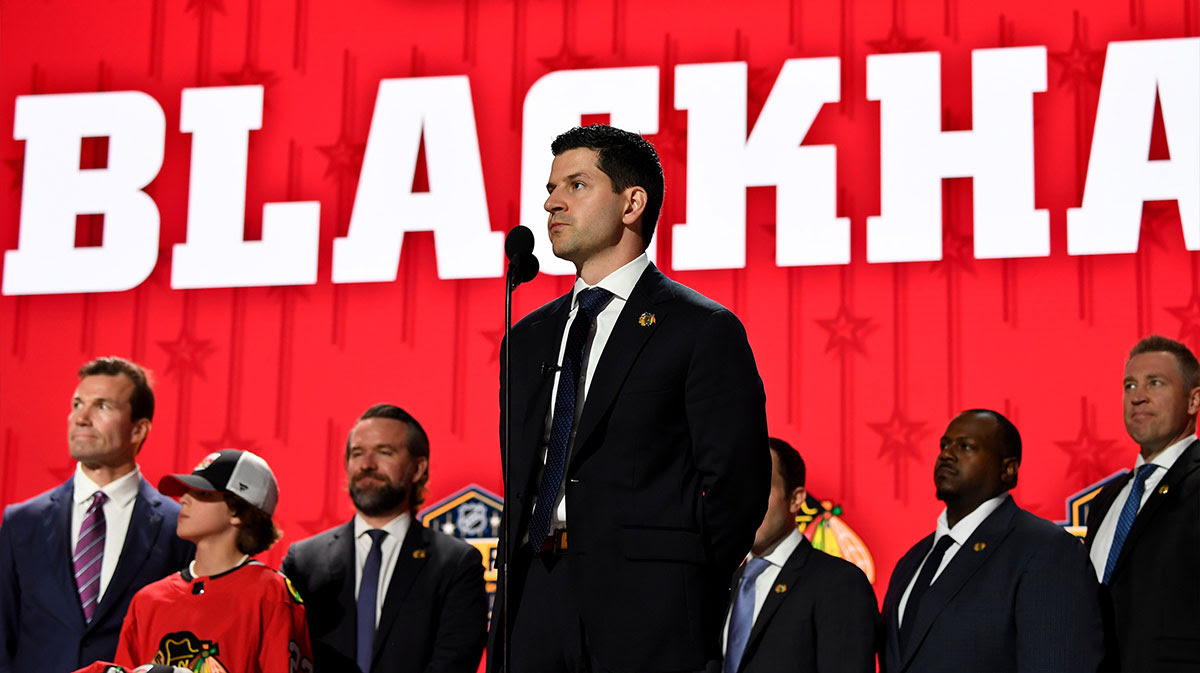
72, 558
638, 461
995, 588
383, 593
1143, 529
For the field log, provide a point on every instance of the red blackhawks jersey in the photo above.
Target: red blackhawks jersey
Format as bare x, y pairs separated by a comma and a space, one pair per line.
245, 620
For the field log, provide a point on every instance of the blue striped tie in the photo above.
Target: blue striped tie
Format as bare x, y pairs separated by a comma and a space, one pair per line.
741, 617
89, 555
1128, 514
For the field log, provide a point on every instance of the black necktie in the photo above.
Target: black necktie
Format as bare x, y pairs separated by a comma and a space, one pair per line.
912, 608
591, 302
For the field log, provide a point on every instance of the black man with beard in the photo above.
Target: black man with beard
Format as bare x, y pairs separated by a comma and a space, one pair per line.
384, 593
994, 588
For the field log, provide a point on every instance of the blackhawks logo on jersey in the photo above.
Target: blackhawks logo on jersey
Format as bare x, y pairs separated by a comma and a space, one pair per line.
184, 650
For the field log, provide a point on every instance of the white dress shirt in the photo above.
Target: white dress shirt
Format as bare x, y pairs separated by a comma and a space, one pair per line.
764, 584
960, 533
396, 530
620, 283
118, 509
1102, 542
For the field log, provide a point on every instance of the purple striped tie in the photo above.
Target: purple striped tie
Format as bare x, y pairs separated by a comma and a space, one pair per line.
88, 554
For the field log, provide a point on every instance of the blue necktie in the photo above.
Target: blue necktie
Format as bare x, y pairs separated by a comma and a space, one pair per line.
909, 621
741, 617
368, 590
591, 302
1128, 514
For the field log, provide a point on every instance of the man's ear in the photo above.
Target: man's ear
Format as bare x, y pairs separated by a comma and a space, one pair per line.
141, 430
1008, 470
635, 204
419, 470
796, 500
1194, 401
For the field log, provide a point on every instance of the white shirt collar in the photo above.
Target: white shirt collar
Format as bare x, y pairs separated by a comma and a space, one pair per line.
962, 530
120, 491
396, 529
620, 282
778, 554
1167, 457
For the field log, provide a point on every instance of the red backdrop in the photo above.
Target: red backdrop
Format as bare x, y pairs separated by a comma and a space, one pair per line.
864, 364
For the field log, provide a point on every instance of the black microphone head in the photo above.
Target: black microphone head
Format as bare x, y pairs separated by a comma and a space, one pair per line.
518, 242
529, 268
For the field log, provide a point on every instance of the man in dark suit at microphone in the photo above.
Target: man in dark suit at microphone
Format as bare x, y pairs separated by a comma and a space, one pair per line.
639, 466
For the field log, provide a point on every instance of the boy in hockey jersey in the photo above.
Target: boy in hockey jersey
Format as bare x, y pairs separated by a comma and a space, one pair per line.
224, 613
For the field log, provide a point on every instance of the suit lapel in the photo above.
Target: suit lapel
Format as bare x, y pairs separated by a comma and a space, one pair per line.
905, 571
411, 559
623, 347
339, 554
543, 340
1188, 462
144, 523
1100, 506
788, 577
967, 560
58, 544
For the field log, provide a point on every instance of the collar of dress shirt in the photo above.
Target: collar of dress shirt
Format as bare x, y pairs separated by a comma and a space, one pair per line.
396, 529
778, 554
120, 491
620, 282
967, 525
1167, 457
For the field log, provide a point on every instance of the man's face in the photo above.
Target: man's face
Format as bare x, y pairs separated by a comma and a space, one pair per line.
1159, 410
100, 427
970, 466
782, 507
585, 215
379, 469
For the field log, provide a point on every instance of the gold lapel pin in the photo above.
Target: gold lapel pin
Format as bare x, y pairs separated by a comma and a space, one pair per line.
780, 588
418, 553
980, 546
1164, 489
646, 319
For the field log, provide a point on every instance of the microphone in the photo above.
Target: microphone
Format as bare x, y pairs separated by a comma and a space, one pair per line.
522, 264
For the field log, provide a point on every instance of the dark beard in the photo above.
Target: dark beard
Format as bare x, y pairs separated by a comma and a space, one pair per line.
377, 500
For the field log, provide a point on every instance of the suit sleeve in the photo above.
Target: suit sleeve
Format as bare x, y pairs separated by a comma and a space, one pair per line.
727, 422
1057, 609
10, 598
462, 629
846, 619
285, 646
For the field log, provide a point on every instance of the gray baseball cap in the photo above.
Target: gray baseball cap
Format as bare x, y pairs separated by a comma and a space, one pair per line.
228, 471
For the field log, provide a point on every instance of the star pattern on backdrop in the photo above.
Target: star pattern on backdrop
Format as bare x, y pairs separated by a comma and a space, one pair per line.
1189, 318
345, 157
1088, 453
958, 253
1080, 65
847, 332
186, 354
251, 74
897, 41
901, 437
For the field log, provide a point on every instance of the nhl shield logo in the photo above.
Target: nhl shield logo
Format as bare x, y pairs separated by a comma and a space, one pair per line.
472, 514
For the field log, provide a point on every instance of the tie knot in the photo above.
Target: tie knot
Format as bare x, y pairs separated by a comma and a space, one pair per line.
943, 544
1144, 472
99, 499
592, 300
377, 535
754, 568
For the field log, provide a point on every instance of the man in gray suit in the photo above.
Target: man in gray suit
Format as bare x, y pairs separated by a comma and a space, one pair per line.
994, 588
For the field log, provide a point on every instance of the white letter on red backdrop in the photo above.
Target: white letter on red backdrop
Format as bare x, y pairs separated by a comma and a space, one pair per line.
216, 253
915, 154
554, 104
454, 208
722, 163
1120, 175
56, 190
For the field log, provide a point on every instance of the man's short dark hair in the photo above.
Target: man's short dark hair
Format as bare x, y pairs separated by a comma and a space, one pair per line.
141, 400
417, 445
791, 465
257, 532
1189, 368
1007, 433
627, 159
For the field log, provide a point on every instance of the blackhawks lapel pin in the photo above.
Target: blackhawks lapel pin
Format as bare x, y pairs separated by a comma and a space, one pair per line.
780, 588
646, 319
418, 553
980, 546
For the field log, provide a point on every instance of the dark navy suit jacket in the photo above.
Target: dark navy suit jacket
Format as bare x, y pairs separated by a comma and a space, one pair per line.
434, 617
42, 628
1020, 595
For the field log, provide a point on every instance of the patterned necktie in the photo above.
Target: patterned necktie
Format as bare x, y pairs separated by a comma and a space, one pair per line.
911, 608
591, 302
1128, 514
368, 590
89, 555
741, 616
